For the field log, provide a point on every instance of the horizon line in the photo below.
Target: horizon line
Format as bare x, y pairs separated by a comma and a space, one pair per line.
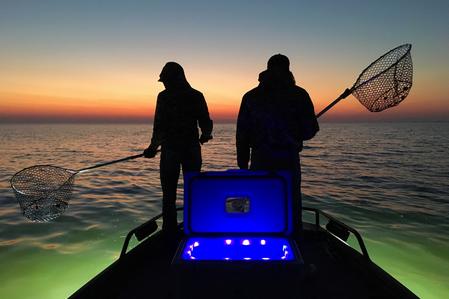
219, 121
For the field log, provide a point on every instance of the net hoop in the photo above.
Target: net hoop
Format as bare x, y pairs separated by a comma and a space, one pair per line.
408, 46
44, 191
386, 81
42, 200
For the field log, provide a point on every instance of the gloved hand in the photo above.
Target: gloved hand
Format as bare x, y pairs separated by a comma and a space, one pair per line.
150, 152
205, 138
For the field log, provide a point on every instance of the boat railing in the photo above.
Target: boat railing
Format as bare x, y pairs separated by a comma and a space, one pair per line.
142, 231
339, 229
334, 226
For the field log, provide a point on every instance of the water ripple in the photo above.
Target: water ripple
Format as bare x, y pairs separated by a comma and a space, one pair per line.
390, 181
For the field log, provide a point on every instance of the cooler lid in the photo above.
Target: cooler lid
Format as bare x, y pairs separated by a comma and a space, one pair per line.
237, 201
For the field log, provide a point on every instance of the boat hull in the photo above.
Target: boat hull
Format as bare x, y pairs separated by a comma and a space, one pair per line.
331, 269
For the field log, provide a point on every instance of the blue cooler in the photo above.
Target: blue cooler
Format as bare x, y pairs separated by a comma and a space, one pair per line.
237, 221
238, 226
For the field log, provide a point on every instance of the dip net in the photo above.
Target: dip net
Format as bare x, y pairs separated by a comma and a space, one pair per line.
387, 81
43, 191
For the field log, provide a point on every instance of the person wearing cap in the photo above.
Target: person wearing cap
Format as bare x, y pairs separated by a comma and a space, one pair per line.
274, 120
180, 109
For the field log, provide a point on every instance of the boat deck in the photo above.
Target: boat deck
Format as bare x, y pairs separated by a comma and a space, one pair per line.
331, 269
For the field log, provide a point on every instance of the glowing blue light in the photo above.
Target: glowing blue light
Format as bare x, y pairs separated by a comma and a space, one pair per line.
206, 194
237, 249
284, 248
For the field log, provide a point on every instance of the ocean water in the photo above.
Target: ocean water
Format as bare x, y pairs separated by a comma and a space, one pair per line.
390, 181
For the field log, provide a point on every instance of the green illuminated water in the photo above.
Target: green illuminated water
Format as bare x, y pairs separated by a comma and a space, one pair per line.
389, 181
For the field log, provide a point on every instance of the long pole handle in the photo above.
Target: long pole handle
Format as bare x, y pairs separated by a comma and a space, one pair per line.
111, 162
344, 95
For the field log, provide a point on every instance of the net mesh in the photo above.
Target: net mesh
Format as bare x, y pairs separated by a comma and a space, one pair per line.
43, 191
387, 81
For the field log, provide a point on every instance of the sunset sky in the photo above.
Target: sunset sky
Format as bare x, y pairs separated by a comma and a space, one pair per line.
100, 60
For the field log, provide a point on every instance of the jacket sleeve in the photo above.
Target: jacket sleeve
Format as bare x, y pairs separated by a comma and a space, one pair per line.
242, 135
159, 126
204, 121
309, 123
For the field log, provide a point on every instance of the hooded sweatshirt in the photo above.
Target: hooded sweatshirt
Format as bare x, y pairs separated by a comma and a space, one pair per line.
276, 116
180, 109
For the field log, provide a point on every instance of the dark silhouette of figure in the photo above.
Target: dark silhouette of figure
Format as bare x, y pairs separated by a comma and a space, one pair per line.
179, 111
274, 120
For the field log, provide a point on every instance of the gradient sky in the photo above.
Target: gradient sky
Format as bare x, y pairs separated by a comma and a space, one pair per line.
100, 60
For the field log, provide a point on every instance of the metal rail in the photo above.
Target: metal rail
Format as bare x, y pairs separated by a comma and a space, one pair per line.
318, 212
148, 228
142, 231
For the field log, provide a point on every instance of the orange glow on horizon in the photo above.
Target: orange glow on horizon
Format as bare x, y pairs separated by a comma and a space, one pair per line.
132, 96
17, 106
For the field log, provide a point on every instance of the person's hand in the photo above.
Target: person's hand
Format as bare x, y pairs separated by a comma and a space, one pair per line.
150, 152
205, 138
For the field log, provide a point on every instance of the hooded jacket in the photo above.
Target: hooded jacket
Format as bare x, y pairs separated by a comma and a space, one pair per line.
180, 109
276, 116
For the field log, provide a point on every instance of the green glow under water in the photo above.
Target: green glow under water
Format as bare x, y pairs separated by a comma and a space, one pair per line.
397, 200
47, 273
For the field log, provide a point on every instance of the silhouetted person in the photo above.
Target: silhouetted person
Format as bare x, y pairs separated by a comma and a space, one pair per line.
274, 120
179, 111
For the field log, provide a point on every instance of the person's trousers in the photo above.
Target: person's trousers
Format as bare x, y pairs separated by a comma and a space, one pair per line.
283, 160
172, 161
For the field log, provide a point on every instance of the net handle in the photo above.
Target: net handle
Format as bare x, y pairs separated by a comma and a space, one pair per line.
110, 162
344, 95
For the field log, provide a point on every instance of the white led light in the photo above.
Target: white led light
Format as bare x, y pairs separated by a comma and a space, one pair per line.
245, 242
